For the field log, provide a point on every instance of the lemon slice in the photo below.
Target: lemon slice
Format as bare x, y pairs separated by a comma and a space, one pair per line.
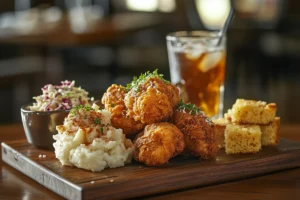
209, 61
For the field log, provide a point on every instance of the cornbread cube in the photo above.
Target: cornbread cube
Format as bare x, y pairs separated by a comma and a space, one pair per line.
228, 115
252, 112
242, 139
219, 129
270, 133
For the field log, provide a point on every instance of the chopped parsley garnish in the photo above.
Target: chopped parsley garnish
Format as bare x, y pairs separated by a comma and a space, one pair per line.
112, 105
75, 109
102, 129
192, 108
136, 82
97, 121
88, 108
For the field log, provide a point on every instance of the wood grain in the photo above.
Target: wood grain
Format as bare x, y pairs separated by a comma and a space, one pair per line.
136, 180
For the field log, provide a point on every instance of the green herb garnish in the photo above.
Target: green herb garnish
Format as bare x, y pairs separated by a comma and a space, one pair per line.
112, 105
88, 108
75, 109
192, 108
97, 121
142, 79
102, 130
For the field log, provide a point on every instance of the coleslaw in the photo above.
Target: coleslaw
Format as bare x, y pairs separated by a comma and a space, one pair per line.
60, 97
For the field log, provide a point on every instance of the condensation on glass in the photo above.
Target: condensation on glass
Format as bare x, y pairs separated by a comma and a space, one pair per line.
197, 66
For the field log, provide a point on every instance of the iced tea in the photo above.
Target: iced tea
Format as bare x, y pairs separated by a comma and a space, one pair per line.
198, 69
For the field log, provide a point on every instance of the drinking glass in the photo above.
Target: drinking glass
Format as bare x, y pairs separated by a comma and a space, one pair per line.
197, 66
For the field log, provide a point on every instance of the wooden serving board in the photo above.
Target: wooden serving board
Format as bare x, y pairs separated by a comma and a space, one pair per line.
135, 180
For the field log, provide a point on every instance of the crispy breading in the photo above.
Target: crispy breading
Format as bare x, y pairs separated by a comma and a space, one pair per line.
198, 131
113, 101
153, 101
158, 143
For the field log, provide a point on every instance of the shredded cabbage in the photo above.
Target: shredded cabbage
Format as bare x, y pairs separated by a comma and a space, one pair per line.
60, 97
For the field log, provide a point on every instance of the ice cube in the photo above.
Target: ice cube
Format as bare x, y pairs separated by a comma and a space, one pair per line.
192, 51
210, 60
193, 54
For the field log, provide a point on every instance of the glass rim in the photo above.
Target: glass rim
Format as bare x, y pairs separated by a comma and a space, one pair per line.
193, 35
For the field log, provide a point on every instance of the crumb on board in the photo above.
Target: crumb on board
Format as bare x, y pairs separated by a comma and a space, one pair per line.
111, 180
92, 182
40, 155
44, 156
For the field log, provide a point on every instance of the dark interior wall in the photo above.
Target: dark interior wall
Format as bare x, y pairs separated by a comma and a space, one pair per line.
6, 6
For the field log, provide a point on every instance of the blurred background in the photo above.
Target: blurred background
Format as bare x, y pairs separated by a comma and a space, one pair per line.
100, 42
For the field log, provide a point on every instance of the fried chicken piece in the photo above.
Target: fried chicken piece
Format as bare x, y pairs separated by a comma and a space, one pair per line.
152, 101
198, 131
158, 143
113, 101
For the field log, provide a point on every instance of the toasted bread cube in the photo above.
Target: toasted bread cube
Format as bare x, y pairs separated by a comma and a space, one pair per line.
270, 133
252, 112
242, 139
228, 115
219, 128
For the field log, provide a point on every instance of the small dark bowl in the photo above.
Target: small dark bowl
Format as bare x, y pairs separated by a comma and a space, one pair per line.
40, 126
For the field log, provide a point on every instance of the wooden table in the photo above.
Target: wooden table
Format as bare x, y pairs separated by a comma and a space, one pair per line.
280, 185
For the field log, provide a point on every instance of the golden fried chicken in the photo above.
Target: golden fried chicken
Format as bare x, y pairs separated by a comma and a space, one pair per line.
151, 99
113, 101
158, 143
198, 131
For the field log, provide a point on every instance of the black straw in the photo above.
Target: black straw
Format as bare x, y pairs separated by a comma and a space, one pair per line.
226, 25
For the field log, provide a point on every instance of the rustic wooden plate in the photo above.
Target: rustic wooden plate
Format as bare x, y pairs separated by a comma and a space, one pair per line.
137, 180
